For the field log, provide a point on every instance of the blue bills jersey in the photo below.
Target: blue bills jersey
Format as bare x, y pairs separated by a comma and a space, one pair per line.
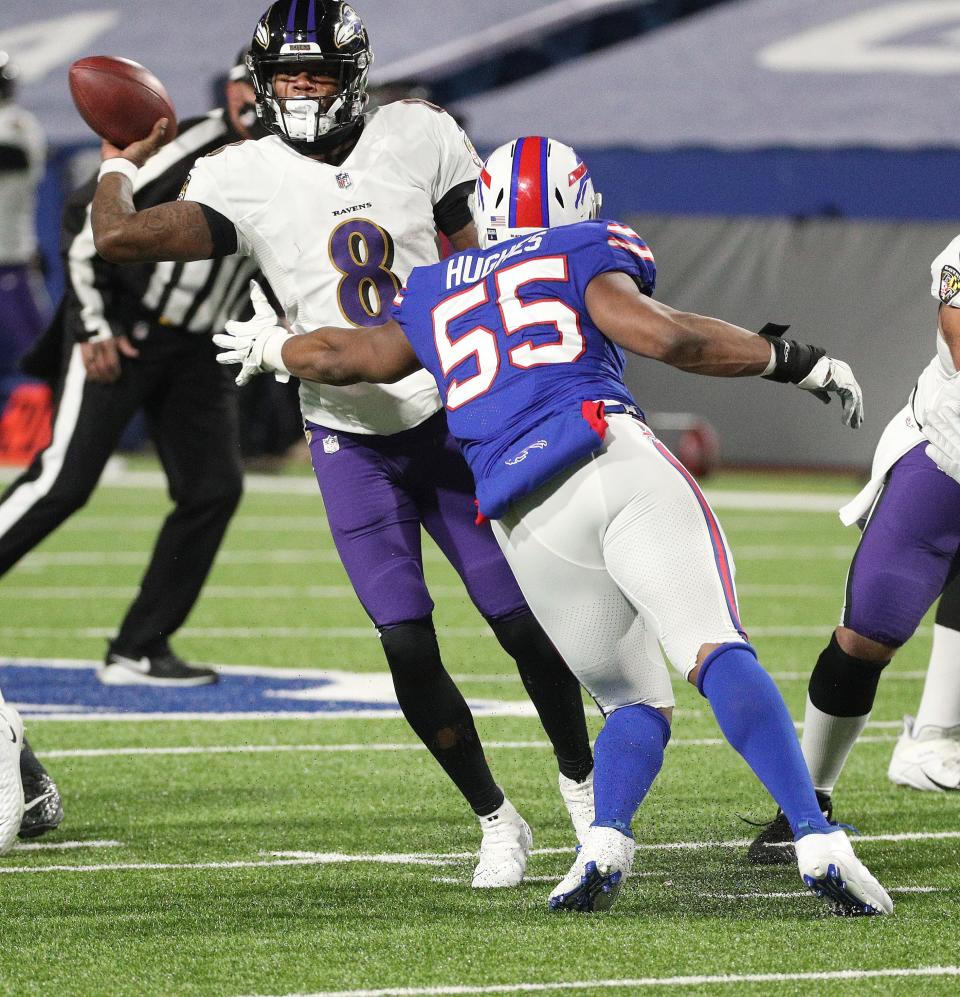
506, 335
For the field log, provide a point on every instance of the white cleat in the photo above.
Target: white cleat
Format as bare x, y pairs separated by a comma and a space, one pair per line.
927, 759
830, 869
11, 786
504, 850
598, 873
578, 798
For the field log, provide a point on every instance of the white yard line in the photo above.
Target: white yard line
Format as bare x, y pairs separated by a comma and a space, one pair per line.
62, 846
281, 592
351, 633
234, 557
117, 476
644, 982
271, 749
238, 592
307, 858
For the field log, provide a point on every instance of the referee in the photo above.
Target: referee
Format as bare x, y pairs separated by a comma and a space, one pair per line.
138, 338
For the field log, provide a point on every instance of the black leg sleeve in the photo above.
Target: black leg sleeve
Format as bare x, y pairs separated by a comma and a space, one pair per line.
438, 713
552, 688
842, 685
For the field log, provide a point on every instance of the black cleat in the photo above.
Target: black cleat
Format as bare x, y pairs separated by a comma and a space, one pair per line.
43, 809
774, 844
160, 669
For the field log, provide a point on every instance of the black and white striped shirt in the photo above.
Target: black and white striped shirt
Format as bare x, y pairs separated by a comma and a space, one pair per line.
106, 299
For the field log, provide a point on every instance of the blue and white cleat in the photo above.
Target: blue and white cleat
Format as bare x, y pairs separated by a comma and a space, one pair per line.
11, 785
598, 873
830, 869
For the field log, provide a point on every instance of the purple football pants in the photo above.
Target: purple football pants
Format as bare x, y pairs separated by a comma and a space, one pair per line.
908, 552
379, 491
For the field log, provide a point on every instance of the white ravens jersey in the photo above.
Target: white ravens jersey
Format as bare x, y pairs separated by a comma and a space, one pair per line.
905, 429
336, 243
945, 287
18, 188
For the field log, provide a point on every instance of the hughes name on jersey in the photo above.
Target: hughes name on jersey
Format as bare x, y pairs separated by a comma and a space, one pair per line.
336, 242
506, 335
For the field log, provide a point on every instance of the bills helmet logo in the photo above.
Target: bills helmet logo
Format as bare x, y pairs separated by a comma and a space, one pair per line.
350, 27
949, 284
344, 181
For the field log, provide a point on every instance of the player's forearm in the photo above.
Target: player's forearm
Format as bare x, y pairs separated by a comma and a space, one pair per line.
699, 344
319, 356
174, 231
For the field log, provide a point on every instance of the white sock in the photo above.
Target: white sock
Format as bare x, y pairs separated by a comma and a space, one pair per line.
506, 813
826, 742
940, 704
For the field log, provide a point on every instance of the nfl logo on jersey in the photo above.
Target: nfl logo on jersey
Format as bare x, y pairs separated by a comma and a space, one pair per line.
344, 181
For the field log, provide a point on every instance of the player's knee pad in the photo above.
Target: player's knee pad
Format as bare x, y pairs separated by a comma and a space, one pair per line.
842, 685
411, 649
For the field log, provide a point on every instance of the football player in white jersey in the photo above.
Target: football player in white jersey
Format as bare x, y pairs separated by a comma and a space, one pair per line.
337, 206
909, 555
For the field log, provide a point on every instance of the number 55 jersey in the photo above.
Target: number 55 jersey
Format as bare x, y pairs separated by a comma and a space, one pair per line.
506, 334
337, 242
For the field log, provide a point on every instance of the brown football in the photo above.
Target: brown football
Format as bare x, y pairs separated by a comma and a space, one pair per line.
120, 99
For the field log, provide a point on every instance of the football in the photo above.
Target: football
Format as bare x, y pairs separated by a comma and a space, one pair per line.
120, 99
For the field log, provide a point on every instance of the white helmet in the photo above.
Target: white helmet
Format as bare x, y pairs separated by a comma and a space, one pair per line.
531, 184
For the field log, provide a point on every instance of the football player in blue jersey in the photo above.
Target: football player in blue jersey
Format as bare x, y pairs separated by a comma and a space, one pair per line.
526, 340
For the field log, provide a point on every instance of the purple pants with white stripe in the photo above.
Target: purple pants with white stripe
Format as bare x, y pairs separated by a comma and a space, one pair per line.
379, 491
908, 552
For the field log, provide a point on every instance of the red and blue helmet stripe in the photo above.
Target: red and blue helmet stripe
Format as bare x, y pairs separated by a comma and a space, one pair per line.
530, 185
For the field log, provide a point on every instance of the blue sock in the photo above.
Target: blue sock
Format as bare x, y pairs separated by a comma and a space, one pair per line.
755, 720
627, 757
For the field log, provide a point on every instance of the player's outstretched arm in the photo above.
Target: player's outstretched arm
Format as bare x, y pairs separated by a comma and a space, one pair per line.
704, 345
380, 355
176, 231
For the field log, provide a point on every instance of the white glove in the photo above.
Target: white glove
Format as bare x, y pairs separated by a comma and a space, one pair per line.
256, 344
942, 429
835, 377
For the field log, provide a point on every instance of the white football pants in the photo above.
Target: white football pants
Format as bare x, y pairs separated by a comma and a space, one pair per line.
617, 555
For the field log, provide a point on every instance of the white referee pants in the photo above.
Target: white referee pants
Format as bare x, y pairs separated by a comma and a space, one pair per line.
621, 554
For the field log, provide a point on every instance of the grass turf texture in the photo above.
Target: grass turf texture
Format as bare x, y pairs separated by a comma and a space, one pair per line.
340, 925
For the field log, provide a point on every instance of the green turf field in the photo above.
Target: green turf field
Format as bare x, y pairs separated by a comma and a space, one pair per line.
299, 868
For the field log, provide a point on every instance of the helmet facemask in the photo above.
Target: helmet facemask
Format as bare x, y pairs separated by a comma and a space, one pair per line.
322, 37
312, 124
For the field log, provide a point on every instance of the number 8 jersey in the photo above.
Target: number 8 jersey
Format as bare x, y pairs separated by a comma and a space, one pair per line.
337, 242
506, 334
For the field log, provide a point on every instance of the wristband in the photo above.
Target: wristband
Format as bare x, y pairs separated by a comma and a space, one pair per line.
119, 165
792, 361
272, 358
